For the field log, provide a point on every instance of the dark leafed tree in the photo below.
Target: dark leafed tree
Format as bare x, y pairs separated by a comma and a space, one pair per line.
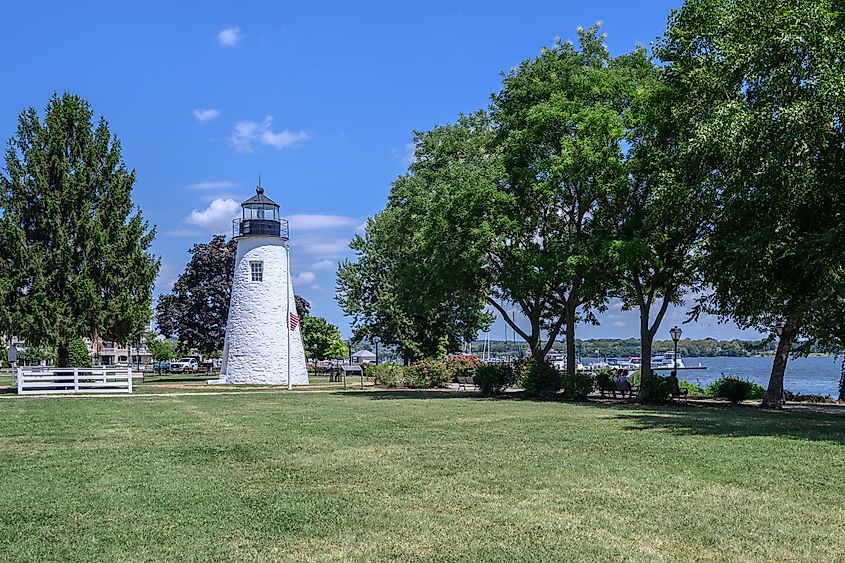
764, 87
303, 306
197, 308
74, 249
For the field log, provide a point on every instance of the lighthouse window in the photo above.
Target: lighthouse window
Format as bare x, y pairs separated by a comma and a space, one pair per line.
257, 270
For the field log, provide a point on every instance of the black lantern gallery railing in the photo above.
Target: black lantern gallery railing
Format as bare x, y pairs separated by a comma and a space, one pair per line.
260, 227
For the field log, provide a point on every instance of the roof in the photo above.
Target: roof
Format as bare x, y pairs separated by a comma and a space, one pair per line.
259, 198
363, 354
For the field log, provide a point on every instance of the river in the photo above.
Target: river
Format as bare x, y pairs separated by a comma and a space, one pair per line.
818, 375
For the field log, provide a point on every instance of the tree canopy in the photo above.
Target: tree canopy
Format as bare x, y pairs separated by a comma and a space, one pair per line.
74, 249
762, 87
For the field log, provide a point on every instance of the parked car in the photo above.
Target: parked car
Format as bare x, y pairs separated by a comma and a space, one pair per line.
162, 367
184, 365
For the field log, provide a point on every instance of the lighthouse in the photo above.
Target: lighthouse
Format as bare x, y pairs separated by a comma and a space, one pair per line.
263, 342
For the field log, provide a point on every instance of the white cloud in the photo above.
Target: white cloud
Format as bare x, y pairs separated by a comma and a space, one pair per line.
217, 217
203, 115
406, 156
305, 277
212, 186
247, 132
320, 222
320, 247
324, 265
229, 37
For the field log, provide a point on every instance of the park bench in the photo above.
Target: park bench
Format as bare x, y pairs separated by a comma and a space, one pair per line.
679, 394
463, 381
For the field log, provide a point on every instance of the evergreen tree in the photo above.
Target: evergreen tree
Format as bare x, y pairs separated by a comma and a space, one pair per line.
74, 249
78, 355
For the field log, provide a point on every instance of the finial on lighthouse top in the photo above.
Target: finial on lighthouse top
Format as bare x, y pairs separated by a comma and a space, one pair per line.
258, 189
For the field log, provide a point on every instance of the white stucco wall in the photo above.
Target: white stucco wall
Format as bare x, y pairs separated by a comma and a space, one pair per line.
256, 345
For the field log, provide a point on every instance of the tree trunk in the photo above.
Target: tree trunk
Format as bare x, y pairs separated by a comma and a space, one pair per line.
773, 399
570, 342
63, 359
842, 383
645, 345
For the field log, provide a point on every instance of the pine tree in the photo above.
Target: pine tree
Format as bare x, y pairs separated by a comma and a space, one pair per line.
74, 249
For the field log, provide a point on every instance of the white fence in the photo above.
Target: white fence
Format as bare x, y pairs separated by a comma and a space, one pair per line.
43, 381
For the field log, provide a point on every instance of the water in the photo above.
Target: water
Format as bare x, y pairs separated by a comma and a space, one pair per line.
817, 375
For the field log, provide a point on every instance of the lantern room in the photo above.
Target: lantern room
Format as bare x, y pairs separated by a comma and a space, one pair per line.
260, 218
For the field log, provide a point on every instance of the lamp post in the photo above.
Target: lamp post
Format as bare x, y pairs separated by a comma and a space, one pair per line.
376, 341
779, 328
676, 335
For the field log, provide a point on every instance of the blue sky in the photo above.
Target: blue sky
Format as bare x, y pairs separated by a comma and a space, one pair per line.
321, 99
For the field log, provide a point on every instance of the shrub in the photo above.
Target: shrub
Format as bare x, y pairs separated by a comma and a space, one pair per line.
692, 388
731, 388
655, 389
387, 374
492, 379
576, 387
757, 391
605, 381
462, 366
807, 398
539, 379
427, 374
78, 356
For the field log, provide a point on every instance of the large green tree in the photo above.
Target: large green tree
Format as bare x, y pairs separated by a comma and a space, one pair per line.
318, 334
560, 120
654, 221
74, 249
763, 84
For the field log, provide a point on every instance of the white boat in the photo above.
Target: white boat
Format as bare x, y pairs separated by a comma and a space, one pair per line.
667, 360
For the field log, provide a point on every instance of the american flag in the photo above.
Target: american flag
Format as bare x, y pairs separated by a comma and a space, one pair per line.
294, 321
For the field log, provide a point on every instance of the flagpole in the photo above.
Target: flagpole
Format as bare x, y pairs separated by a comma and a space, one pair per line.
287, 320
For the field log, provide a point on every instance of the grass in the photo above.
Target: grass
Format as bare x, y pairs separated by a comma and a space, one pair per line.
378, 475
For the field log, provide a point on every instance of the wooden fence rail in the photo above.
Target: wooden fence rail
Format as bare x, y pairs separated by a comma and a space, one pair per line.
43, 381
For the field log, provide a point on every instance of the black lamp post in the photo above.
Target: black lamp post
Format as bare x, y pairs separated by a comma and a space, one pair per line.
676, 335
779, 328
376, 341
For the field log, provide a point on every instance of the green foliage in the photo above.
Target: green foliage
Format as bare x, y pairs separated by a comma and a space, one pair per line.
78, 356
731, 388
655, 389
692, 388
539, 379
577, 386
462, 366
318, 335
427, 374
34, 355
388, 374
492, 379
761, 98
197, 309
74, 249
160, 350
337, 349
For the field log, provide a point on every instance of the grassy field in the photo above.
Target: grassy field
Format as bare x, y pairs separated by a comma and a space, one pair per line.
375, 475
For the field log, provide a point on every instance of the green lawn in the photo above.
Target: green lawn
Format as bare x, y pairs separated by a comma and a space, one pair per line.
410, 475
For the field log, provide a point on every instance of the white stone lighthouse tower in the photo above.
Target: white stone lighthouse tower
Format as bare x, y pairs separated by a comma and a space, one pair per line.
263, 338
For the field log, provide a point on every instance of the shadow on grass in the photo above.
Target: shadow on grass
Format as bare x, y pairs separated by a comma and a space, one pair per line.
681, 419
386, 395
732, 421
